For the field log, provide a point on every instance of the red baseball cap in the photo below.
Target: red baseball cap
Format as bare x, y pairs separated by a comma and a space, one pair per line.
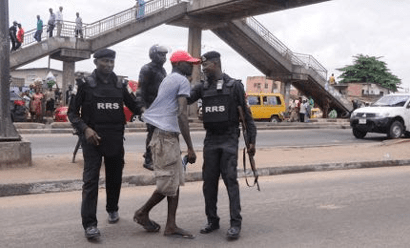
179, 56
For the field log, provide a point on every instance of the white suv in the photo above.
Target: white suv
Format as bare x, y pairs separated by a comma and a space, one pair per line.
390, 115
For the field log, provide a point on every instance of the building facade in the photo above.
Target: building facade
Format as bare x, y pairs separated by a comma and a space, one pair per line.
363, 92
261, 84
26, 77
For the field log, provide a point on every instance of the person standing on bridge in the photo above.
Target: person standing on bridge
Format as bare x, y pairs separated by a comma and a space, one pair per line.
150, 77
51, 23
332, 80
140, 9
37, 35
13, 35
20, 36
78, 26
96, 111
221, 96
59, 21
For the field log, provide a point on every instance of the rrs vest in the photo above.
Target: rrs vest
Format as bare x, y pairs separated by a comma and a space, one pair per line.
219, 107
107, 105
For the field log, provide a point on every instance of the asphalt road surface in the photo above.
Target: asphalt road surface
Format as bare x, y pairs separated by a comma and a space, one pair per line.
349, 208
43, 144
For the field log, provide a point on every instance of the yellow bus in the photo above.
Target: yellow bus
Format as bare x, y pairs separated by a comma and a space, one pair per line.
266, 106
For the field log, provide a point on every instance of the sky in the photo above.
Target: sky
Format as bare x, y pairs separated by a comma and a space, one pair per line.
332, 32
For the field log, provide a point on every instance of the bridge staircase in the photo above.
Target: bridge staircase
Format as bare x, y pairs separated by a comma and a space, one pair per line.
268, 54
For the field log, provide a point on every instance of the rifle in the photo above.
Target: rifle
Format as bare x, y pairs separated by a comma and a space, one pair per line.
251, 159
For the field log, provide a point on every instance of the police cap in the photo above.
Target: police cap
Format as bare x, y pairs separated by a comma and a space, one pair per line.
104, 53
210, 55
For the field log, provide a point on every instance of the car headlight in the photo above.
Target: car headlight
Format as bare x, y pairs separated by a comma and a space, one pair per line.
353, 115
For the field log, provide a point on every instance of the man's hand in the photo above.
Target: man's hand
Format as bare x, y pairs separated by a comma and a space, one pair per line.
251, 150
92, 137
191, 156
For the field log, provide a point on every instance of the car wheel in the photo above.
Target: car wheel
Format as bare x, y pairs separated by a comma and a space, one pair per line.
358, 133
274, 119
134, 118
396, 130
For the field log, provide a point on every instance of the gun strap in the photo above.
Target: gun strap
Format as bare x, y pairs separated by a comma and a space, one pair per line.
255, 182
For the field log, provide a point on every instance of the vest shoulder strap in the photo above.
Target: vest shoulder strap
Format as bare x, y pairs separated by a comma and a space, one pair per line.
121, 83
91, 81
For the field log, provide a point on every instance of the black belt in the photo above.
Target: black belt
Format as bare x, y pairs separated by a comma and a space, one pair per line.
221, 131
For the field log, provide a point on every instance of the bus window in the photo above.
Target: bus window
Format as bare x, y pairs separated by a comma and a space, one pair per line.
253, 100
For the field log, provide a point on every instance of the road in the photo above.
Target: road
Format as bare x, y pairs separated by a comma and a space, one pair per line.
43, 144
351, 208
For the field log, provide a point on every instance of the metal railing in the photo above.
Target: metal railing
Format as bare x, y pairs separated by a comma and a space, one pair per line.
107, 24
305, 60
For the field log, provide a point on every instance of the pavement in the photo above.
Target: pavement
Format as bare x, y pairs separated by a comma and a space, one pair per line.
57, 173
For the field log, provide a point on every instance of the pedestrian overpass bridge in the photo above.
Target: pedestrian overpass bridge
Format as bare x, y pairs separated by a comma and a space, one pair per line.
230, 20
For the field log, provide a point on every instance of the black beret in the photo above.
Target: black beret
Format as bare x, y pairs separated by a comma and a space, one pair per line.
104, 53
210, 55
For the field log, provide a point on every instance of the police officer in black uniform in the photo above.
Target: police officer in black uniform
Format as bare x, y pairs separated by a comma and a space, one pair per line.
221, 96
151, 76
96, 111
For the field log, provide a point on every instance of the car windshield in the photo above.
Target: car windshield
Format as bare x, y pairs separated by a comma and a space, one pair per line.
391, 101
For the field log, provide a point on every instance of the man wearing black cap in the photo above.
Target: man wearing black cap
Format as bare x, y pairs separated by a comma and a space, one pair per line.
13, 36
151, 76
221, 96
96, 111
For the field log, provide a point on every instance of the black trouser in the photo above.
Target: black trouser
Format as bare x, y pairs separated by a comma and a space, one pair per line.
221, 158
37, 35
112, 149
50, 30
302, 117
13, 43
148, 154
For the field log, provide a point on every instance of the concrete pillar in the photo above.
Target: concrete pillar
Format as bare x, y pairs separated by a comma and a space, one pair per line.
7, 130
285, 91
194, 48
13, 151
68, 78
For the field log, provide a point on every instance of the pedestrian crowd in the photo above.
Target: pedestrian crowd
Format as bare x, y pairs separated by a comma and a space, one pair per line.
55, 20
35, 102
300, 110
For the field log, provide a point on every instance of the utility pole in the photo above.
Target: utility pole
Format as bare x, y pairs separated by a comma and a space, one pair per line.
7, 130
14, 152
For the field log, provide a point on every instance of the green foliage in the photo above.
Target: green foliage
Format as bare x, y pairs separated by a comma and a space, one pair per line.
369, 69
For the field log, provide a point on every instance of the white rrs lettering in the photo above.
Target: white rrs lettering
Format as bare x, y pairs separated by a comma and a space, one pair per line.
108, 105
100, 105
214, 109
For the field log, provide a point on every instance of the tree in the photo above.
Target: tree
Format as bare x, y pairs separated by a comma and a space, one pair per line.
369, 69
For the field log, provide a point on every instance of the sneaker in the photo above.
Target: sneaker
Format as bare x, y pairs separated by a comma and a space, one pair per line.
92, 232
113, 217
